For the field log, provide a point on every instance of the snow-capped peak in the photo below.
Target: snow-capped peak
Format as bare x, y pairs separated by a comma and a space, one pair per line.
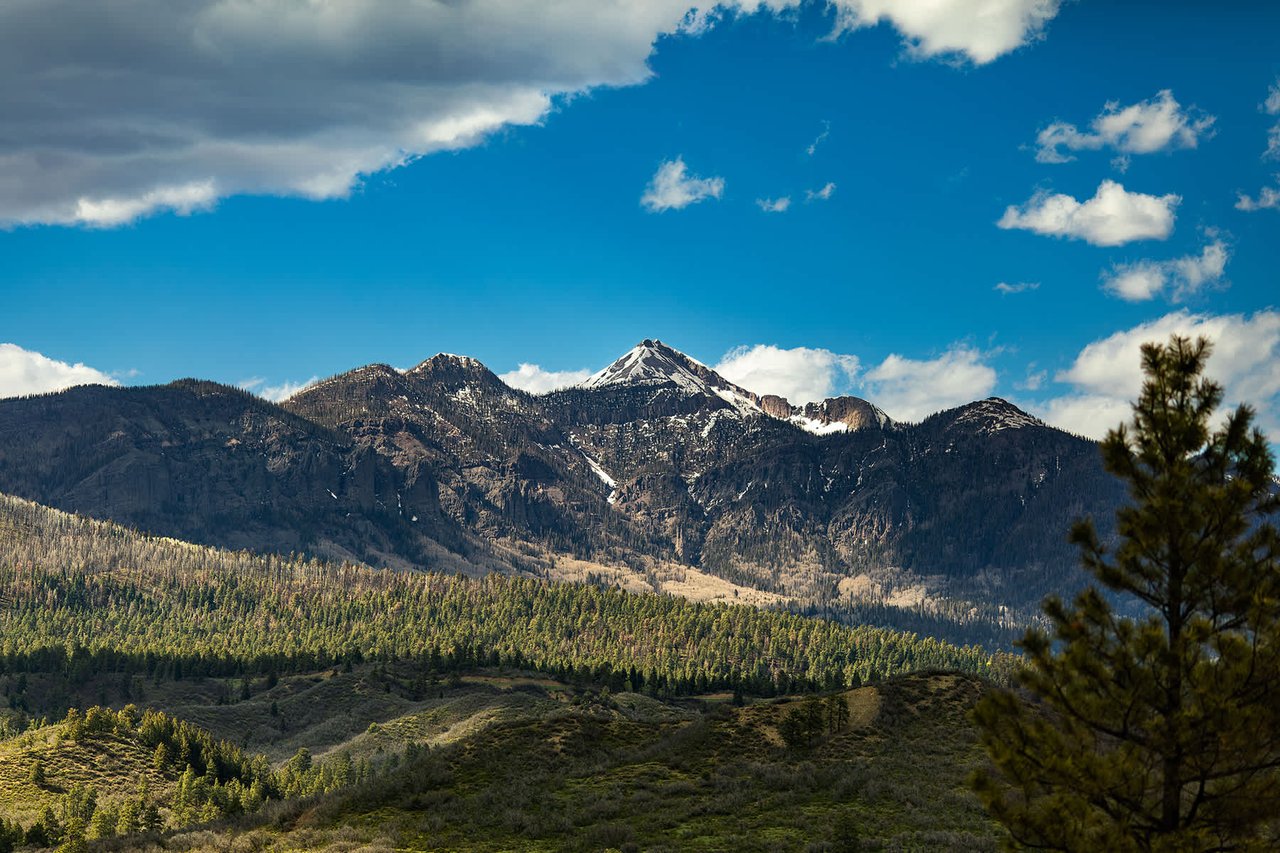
651, 362
995, 414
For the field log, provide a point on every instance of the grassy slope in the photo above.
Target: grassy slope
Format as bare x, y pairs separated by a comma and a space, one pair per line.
112, 764
527, 772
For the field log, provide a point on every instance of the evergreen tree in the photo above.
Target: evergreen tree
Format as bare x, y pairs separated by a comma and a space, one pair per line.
1160, 731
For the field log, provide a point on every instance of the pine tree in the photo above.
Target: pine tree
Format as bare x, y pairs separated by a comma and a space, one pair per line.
1158, 731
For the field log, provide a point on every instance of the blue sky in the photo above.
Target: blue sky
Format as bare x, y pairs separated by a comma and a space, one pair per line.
329, 198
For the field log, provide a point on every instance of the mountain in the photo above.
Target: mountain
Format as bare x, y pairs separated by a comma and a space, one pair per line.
656, 471
216, 465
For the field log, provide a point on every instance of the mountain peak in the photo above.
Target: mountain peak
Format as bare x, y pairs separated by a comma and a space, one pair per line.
449, 361
993, 415
651, 362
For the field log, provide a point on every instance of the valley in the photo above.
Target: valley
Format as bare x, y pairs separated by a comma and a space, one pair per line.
336, 707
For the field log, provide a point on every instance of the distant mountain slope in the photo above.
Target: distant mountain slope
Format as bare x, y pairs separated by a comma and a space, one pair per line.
656, 459
214, 464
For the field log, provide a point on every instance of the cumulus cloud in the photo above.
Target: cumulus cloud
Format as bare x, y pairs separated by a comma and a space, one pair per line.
276, 393
975, 30
910, 389
24, 372
1176, 277
1090, 415
1268, 198
673, 188
1005, 288
535, 380
801, 374
1158, 124
774, 205
1112, 217
119, 110
828, 189
1107, 374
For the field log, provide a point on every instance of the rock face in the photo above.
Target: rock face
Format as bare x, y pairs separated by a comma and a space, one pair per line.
656, 457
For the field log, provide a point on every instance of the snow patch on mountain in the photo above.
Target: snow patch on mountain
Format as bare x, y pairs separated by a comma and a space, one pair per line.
600, 472
818, 427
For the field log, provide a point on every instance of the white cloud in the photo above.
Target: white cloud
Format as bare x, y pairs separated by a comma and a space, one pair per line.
802, 375
1090, 415
672, 188
821, 137
1005, 288
1179, 277
774, 205
828, 190
1107, 374
1268, 198
976, 30
535, 380
118, 110
25, 372
910, 390
1158, 124
276, 393
1112, 217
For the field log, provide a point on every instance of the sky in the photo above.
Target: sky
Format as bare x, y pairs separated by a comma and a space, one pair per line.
919, 202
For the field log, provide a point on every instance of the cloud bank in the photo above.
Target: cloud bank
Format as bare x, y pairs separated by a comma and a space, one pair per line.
1158, 124
908, 389
1113, 217
911, 390
119, 109
1107, 374
25, 372
802, 374
535, 380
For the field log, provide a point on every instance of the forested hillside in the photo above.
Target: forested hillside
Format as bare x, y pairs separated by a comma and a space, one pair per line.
254, 647
83, 596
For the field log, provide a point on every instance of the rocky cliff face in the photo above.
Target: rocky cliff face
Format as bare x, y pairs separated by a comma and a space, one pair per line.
656, 457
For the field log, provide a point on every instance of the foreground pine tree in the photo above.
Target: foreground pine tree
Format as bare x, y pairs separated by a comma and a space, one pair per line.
1160, 732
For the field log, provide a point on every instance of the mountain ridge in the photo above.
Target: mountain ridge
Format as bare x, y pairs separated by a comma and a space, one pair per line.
445, 466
